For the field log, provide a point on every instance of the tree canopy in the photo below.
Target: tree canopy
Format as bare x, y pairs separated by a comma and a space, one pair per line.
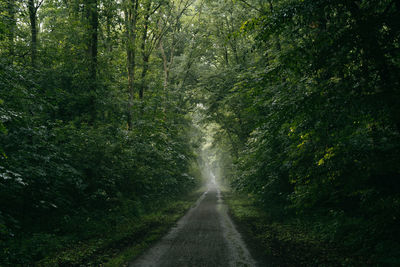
104, 105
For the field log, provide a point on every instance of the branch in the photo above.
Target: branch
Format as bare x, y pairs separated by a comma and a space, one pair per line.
155, 9
251, 6
38, 6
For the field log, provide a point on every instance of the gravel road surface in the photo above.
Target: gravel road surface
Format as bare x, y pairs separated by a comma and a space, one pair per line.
205, 236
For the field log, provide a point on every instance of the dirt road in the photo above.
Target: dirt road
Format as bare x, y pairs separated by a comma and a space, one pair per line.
205, 236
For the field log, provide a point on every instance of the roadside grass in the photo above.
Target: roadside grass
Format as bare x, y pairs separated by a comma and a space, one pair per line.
126, 240
287, 242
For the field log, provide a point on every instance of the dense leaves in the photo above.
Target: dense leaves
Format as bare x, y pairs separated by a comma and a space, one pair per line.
312, 119
69, 165
298, 101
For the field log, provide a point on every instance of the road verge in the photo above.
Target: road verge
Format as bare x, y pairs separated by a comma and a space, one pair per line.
280, 243
127, 240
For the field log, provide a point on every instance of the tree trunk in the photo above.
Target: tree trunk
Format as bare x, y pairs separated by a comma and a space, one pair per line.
131, 10
145, 54
93, 23
32, 18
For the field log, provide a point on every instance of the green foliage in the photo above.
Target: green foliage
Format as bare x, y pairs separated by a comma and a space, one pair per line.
310, 119
125, 237
69, 168
3, 129
287, 243
301, 97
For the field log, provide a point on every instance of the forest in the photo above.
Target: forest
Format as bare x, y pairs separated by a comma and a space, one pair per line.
106, 107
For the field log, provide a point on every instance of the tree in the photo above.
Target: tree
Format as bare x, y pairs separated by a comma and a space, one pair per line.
92, 17
33, 8
131, 18
66, 155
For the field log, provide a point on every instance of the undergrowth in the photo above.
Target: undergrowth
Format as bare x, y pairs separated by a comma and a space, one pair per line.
288, 241
111, 240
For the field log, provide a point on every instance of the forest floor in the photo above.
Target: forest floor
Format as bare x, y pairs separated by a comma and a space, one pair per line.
126, 240
205, 236
284, 242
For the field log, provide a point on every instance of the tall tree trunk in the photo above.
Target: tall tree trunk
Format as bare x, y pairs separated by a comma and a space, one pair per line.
32, 18
131, 13
93, 23
145, 54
